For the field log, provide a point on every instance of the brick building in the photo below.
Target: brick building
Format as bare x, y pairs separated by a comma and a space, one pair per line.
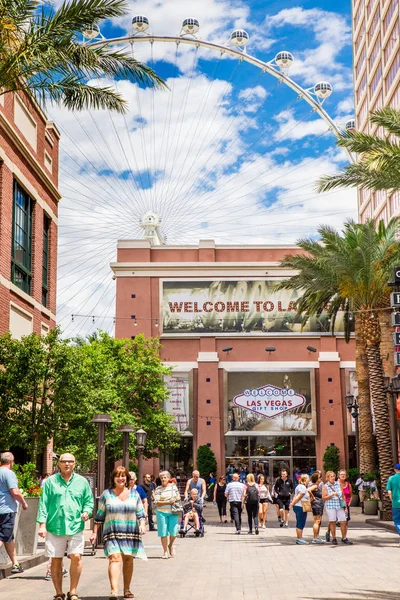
29, 196
376, 52
247, 380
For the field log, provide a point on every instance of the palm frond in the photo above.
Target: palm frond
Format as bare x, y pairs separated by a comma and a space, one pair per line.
387, 117
359, 175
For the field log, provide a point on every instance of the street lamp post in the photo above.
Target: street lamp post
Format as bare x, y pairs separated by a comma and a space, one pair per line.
353, 408
392, 387
101, 421
125, 430
141, 436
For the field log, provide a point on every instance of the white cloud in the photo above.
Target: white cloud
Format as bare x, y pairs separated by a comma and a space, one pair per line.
331, 32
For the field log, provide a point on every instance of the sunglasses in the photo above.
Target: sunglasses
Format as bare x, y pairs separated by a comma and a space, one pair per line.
67, 461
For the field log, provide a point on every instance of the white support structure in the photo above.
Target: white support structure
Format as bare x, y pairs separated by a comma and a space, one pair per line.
267, 67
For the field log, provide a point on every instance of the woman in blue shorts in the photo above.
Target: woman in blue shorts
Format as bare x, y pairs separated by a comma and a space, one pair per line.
165, 495
300, 495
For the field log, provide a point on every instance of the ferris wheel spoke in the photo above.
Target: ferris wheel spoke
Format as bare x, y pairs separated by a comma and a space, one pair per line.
176, 138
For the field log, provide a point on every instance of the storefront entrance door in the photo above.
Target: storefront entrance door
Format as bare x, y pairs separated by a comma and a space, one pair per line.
270, 467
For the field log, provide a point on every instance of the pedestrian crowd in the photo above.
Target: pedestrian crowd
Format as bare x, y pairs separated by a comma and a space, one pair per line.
67, 503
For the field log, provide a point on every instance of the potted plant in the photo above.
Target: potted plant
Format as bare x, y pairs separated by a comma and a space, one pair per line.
371, 495
26, 533
353, 475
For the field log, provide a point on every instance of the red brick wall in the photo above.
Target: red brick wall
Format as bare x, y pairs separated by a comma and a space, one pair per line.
20, 158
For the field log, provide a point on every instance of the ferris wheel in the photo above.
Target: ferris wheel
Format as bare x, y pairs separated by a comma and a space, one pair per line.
222, 153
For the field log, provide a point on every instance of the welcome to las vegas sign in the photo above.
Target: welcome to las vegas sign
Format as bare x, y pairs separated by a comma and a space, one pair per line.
269, 401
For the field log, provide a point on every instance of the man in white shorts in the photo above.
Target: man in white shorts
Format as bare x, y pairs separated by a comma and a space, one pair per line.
65, 504
335, 507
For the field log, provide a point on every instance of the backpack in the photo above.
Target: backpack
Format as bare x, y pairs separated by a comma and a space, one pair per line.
253, 496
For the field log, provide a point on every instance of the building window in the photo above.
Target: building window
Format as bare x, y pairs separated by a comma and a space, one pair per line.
377, 78
389, 14
21, 257
375, 52
45, 262
393, 72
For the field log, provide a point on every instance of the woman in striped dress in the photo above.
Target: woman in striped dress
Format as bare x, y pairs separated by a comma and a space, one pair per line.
121, 511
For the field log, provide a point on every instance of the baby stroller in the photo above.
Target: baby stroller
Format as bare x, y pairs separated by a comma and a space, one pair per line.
191, 526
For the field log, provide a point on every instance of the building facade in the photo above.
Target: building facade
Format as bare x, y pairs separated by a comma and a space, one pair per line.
248, 379
376, 48
29, 146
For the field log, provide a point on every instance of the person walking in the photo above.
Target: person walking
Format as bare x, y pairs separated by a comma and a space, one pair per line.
335, 505
283, 489
393, 489
301, 495
148, 488
139, 489
64, 506
165, 496
211, 486
9, 498
234, 493
196, 482
347, 492
317, 505
220, 499
360, 485
121, 512
251, 499
265, 498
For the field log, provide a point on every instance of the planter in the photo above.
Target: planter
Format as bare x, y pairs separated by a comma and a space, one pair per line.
26, 534
355, 500
4, 559
371, 507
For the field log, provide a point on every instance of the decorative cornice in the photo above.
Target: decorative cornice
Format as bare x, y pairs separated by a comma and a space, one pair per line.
39, 171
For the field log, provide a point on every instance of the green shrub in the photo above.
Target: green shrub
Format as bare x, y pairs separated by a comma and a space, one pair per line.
28, 481
331, 459
205, 461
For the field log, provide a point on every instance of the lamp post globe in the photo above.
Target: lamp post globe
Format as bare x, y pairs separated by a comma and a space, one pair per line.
141, 436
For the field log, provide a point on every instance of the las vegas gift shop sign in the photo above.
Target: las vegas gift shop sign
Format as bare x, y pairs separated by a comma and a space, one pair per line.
269, 401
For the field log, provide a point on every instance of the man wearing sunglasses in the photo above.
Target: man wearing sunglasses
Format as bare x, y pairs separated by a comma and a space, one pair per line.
65, 504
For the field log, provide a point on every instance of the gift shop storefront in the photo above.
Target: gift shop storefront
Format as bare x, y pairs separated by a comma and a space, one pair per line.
248, 380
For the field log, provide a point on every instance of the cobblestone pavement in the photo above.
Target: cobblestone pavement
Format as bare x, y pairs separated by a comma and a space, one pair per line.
224, 566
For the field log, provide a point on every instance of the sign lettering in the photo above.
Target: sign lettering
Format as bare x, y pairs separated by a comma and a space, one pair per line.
269, 400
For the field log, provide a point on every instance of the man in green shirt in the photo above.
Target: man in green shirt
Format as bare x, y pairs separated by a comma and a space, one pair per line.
393, 488
65, 504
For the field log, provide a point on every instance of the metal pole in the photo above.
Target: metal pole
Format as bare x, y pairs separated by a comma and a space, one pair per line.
125, 450
140, 466
393, 425
101, 461
357, 443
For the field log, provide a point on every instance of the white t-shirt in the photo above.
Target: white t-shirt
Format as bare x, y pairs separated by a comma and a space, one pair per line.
360, 484
301, 489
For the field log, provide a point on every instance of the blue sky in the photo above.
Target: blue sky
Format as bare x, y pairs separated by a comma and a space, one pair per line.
227, 153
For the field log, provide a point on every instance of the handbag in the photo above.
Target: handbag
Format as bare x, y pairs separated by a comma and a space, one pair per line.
177, 506
342, 503
306, 505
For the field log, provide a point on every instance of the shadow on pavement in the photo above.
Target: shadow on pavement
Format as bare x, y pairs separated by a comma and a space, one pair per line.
366, 595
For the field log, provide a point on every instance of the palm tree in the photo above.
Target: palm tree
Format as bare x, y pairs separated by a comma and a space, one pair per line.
41, 54
378, 165
349, 272
378, 168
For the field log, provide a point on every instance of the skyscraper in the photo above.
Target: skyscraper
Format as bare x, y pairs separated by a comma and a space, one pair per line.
376, 48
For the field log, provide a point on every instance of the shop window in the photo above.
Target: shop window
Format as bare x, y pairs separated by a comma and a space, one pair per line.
45, 260
303, 446
237, 446
270, 446
21, 262
306, 465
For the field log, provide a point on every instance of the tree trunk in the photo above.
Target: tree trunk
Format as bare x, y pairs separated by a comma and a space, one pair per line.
387, 348
371, 330
366, 445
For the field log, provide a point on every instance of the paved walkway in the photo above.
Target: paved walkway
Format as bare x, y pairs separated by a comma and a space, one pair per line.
224, 566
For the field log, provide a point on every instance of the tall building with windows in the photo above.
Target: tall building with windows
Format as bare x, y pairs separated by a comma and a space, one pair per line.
28, 216
376, 46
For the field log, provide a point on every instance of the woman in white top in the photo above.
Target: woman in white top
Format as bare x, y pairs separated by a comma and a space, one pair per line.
165, 496
263, 490
300, 495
